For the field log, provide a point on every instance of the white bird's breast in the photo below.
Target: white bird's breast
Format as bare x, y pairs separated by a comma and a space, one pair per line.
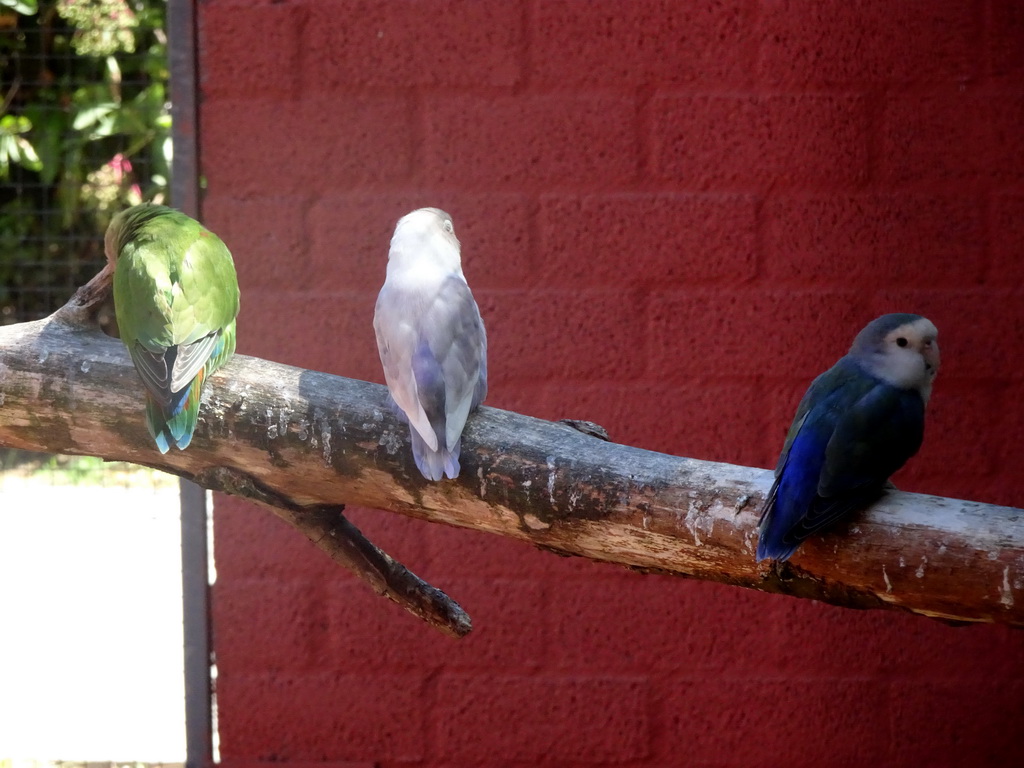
419, 276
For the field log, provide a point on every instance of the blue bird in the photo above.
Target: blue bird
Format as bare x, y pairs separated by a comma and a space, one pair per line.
858, 423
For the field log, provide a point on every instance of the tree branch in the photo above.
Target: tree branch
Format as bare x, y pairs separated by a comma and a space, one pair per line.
334, 534
310, 442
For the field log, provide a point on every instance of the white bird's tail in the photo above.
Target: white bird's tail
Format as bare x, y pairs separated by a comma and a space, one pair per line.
432, 464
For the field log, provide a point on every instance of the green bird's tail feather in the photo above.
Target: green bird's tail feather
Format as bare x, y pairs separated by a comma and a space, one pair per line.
177, 426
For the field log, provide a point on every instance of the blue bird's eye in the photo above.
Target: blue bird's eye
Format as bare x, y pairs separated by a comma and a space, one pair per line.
901, 342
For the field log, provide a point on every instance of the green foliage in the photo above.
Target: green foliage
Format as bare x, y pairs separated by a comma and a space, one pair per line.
84, 132
77, 470
14, 147
102, 27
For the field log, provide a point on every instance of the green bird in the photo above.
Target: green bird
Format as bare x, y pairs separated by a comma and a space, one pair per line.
175, 298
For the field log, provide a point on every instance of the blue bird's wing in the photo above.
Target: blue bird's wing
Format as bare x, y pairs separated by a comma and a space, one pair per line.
796, 475
872, 440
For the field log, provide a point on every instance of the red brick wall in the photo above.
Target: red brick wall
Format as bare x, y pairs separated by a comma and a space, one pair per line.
673, 215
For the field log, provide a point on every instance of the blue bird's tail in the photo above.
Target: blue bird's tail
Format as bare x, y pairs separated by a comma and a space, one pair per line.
771, 547
790, 502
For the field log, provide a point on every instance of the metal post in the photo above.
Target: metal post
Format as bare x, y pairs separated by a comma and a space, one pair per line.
181, 33
195, 626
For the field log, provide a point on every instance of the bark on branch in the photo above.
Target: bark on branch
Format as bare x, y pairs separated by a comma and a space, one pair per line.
307, 443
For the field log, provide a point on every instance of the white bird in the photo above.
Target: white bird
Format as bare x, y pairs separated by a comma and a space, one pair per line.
431, 339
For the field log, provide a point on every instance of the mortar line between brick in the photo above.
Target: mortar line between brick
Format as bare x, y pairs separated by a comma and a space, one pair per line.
874, 108
418, 134
306, 205
987, 213
431, 682
302, 54
533, 239
982, 59
755, 77
529, 13
761, 199
642, 138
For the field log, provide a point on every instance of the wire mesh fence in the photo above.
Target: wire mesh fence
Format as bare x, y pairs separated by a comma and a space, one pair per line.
84, 132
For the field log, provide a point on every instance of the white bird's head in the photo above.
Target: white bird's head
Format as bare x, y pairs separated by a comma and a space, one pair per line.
901, 349
425, 238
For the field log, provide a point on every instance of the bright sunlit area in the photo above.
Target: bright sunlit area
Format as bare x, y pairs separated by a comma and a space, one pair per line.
90, 553
91, 663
